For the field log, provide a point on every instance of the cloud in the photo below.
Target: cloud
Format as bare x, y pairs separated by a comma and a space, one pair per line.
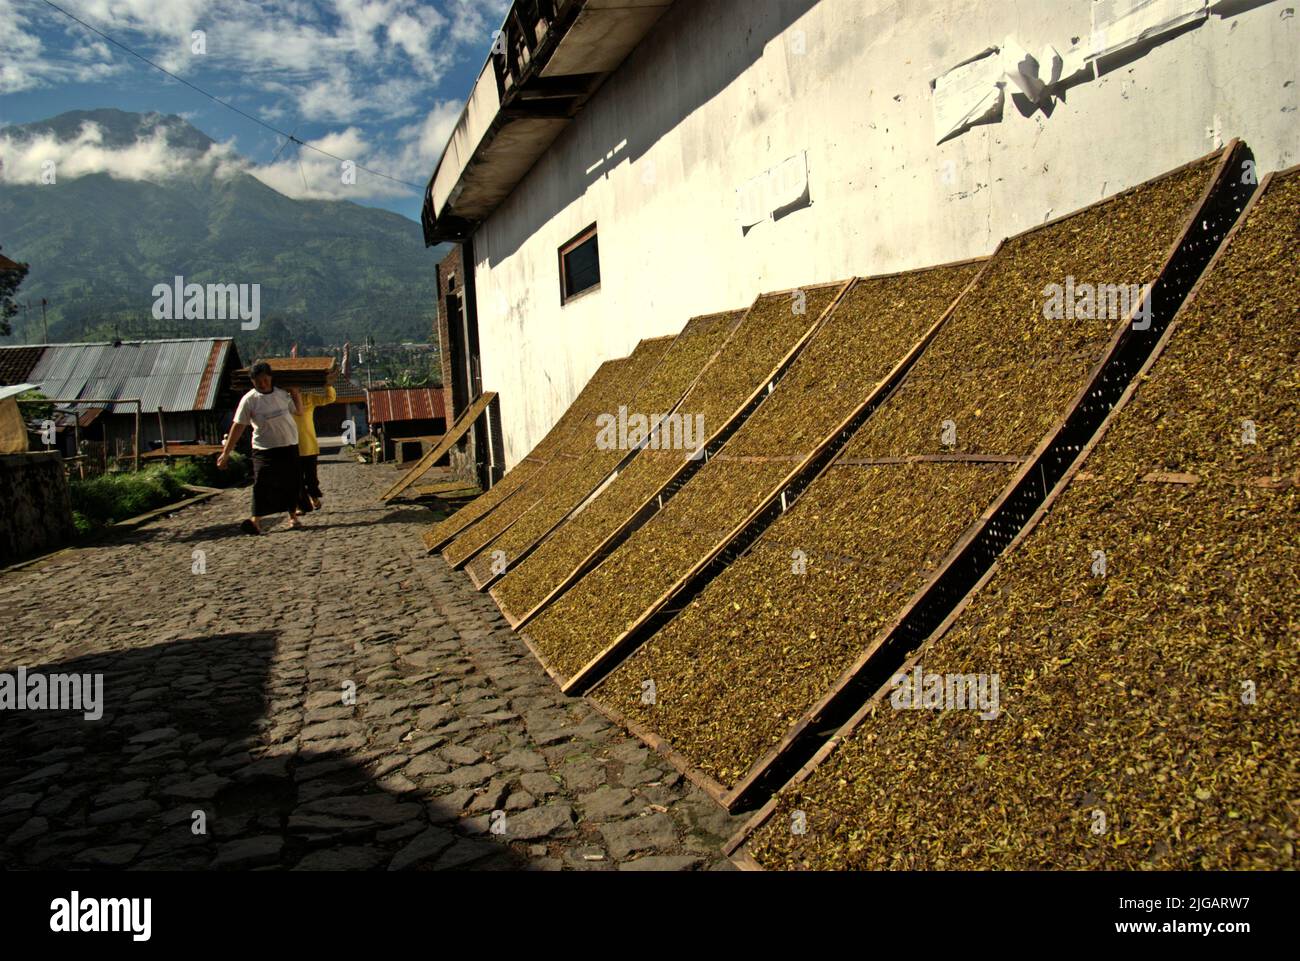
371, 67
151, 158
298, 172
336, 61
306, 174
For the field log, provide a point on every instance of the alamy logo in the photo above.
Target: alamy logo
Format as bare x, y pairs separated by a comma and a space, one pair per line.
75, 914
946, 692
57, 692
1073, 301
181, 301
669, 432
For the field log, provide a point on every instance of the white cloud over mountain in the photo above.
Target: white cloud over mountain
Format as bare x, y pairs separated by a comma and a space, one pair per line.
298, 172
32, 160
371, 67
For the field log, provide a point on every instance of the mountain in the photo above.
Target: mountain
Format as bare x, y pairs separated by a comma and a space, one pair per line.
328, 270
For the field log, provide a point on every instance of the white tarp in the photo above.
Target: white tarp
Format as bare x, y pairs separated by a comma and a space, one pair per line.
968, 94
1117, 24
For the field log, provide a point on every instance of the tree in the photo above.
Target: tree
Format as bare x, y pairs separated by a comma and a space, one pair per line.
9, 281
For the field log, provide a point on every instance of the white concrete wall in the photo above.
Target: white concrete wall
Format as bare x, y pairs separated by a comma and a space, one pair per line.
718, 93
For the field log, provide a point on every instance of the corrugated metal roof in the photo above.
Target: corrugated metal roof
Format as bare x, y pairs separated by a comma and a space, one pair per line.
162, 374
390, 405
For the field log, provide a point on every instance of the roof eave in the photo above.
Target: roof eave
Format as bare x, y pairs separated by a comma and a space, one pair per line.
553, 63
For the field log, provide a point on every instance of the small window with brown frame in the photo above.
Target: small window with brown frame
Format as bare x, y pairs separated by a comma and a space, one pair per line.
579, 266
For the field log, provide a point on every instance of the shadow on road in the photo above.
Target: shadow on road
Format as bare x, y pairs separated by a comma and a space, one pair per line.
185, 770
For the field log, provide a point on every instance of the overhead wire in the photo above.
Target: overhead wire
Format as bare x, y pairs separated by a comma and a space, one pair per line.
225, 103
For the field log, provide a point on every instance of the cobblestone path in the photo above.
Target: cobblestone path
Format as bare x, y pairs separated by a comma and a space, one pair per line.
231, 737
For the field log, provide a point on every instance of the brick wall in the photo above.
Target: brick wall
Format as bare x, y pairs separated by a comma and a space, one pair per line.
451, 279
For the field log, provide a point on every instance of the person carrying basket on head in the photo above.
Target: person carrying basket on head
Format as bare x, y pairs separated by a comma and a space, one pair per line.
277, 475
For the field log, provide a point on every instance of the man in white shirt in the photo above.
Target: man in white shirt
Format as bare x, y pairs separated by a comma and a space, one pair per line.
276, 475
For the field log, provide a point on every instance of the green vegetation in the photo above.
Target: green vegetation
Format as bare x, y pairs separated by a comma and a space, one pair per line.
110, 498
9, 281
34, 412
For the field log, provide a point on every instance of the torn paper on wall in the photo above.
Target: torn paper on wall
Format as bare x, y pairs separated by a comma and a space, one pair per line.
789, 183
1117, 24
779, 188
970, 93
1023, 70
1063, 68
749, 202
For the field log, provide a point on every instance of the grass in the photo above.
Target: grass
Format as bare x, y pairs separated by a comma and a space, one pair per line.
109, 498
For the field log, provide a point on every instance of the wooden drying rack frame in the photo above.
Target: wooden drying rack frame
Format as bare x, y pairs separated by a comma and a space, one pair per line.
806, 470
716, 440
457, 430
734, 798
573, 432
653, 503
736, 846
1036, 462
434, 544
571, 458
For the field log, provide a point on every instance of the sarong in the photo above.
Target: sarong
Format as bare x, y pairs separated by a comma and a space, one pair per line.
276, 480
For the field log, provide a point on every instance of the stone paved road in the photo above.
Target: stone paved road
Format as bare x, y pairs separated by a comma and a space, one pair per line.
226, 741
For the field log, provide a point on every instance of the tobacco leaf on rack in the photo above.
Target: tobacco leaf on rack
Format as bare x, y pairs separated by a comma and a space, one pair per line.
768, 637
763, 338
1161, 695
1001, 371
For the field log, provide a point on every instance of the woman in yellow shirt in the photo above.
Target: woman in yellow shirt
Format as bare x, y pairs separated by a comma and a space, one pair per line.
309, 447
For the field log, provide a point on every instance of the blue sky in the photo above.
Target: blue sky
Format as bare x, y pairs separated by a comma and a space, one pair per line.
380, 82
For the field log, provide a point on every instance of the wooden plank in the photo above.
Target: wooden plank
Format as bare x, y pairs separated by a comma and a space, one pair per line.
744, 862
614, 652
1167, 477
458, 430
1118, 340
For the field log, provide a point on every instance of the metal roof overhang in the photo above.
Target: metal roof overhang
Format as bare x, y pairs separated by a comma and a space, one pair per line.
554, 57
